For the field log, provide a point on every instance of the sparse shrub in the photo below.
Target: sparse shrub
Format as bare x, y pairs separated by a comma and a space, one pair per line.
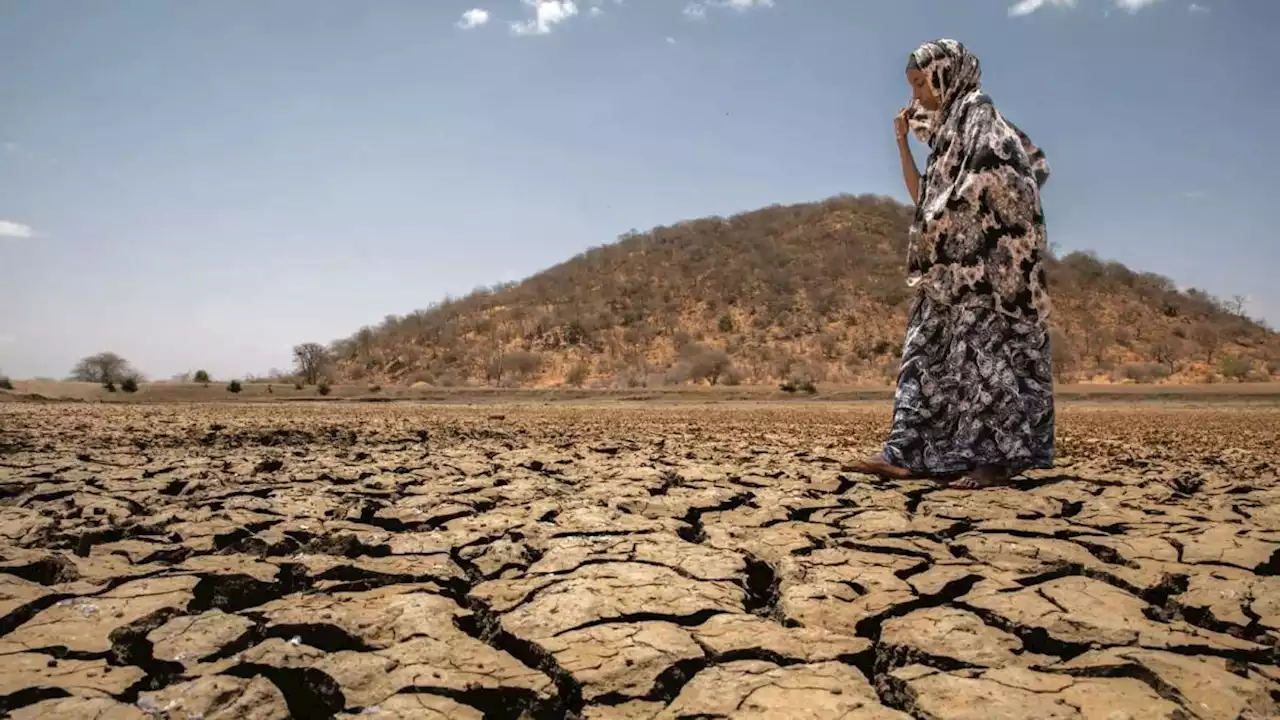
109, 386
710, 365
889, 371
202, 377
520, 363
375, 388
450, 378
677, 375
731, 377
323, 388
297, 386
5, 383
1273, 367
630, 379
577, 375
129, 384
1145, 373
726, 323
1234, 367
1063, 359
802, 385
234, 386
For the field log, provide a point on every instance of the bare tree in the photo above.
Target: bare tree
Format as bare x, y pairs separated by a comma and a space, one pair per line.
310, 359
103, 368
710, 364
1208, 338
1167, 351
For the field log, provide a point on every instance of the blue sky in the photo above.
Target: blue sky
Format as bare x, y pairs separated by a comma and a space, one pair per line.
205, 183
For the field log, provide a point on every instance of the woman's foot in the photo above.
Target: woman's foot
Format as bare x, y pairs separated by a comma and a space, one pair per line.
879, 467
986, 476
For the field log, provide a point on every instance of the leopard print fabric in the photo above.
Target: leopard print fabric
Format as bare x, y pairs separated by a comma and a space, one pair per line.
978, 234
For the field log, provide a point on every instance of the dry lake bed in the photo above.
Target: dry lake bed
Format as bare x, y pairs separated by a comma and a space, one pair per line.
625, 562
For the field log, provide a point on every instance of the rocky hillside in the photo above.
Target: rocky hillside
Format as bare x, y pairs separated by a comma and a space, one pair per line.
811, 291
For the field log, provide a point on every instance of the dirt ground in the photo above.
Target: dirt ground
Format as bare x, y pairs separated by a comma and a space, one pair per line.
315, 560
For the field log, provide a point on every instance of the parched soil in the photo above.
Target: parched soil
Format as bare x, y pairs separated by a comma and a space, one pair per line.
253, 562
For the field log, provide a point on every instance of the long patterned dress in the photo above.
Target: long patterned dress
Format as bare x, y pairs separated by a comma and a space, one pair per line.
976, 383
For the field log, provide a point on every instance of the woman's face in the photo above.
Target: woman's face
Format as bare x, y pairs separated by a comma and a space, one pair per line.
920, 90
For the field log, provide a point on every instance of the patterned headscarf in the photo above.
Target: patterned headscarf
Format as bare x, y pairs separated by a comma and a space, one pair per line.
978, 234
953, 73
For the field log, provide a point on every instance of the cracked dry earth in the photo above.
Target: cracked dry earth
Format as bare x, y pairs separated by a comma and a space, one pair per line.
256, 562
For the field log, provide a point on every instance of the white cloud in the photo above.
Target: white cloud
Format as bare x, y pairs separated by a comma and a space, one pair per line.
11, 148
546, 15
671, 40
8, 228
742, 5
473, 18
697, 10
1197, 8
1026, 7
595, 11
1133, 6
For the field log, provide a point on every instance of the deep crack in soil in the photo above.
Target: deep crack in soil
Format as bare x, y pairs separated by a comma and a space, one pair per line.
323, 559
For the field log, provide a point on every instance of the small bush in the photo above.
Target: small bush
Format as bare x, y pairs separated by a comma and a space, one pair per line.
109, 386
323, 388
1273, 367
297, 386
5, 383
129, 385
795, 385
1234, 367
234, 386
726, 323
1145, 373
202, 377
375, 388
577, 375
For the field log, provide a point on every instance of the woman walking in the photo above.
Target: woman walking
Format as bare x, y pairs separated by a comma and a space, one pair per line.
975, 389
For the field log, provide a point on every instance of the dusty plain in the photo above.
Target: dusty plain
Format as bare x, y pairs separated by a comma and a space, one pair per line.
255, 561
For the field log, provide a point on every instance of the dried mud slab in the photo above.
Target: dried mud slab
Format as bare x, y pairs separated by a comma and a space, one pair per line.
261, 562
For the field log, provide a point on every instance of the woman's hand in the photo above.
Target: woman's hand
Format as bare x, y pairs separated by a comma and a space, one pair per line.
910, 175
901, 126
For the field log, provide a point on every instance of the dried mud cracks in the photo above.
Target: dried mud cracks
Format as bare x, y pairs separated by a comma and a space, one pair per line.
251, 563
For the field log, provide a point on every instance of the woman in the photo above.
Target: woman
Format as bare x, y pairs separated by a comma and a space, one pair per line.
975, 389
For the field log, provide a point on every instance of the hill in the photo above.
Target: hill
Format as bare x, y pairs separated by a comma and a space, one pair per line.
808, 291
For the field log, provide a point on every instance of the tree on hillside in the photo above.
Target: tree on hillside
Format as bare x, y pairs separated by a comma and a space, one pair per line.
103, 368
310, 359
520, 363
708, 364
1209, 338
